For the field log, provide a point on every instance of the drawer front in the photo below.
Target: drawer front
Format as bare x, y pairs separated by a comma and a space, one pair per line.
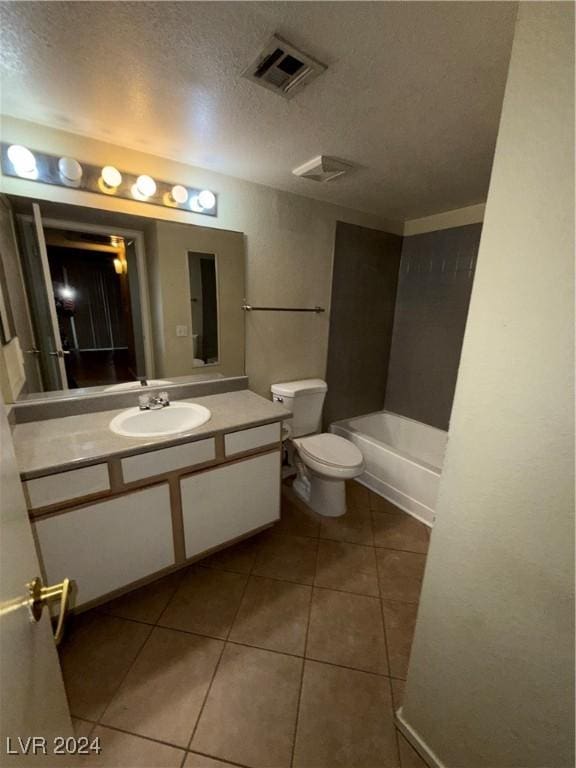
224, 503
167, 460
110, 544
65, 486
248, 439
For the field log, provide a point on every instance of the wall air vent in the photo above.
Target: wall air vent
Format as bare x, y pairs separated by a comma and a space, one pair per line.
323, 168
282, 68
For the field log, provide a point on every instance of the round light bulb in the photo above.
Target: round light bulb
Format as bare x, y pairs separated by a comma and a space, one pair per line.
207, 199
111, 176
146, 185
179, 194
22, 159
70, 170
67, 292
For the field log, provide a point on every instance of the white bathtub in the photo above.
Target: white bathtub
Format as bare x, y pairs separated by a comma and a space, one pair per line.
403, 459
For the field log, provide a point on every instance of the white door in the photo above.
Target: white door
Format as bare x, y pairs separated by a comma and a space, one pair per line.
32, 697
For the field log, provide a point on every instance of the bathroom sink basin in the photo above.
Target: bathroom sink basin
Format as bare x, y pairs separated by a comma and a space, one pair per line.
129, 385
175, 419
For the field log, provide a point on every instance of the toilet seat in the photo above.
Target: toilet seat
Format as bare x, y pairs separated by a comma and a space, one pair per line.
330, 455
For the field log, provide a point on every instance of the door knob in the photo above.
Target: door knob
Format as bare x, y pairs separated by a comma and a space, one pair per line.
41, 596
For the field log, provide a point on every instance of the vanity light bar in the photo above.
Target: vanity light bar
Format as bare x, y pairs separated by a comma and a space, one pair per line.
20, 162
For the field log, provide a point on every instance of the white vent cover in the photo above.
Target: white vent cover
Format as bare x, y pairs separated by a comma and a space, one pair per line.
322, 168
282, 68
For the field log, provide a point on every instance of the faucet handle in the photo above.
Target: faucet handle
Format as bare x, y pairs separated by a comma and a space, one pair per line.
163, 397
143, 402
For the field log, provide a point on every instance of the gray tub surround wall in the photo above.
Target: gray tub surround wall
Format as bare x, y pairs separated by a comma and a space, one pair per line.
365, 276
435, 281
73, 405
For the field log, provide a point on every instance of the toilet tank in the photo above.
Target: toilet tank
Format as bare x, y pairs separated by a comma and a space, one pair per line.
304, 398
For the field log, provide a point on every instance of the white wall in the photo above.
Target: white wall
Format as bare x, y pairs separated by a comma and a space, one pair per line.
492, 669
459, 217
289, 244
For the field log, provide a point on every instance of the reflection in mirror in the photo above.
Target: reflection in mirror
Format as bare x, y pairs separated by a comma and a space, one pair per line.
102, 301
204, 301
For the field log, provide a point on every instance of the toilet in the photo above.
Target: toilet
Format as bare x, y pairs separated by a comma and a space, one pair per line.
323, 461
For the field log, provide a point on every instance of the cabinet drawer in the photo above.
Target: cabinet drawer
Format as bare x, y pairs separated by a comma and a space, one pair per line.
64, 486
224, 503
167, 460
248, 439
110, 544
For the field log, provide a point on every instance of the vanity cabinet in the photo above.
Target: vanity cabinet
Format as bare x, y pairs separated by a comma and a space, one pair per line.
110, 544
219, 505
114, 525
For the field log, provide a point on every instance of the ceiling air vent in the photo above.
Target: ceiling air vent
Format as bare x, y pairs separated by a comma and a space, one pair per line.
323, 168
282, 68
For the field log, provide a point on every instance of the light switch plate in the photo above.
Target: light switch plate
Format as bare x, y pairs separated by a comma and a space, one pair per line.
181, 330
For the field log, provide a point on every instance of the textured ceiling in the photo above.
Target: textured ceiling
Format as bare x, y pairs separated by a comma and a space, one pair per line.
412, 93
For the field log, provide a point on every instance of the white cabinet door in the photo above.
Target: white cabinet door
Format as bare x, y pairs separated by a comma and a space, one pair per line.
221, 504
110, 544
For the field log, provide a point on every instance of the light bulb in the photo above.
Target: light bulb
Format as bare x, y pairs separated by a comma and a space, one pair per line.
23, 161
207, 199
145, 185
111, 176
67, 292
70, 170
179, 194
118, 267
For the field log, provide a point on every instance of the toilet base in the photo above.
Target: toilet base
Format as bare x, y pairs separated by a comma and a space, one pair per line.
324, 495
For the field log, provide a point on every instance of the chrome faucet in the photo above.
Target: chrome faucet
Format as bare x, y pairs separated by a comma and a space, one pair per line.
153, 402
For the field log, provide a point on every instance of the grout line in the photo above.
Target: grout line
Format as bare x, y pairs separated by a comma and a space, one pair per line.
171, 744
217, 666
213, 757
386, 643
304, 659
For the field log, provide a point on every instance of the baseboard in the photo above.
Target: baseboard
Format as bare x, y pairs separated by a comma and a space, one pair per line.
419, 511
429, 757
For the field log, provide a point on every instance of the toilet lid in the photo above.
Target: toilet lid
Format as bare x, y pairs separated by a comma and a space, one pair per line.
331, 449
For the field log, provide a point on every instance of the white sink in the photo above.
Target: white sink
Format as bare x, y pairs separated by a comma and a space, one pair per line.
174, 419
128, 385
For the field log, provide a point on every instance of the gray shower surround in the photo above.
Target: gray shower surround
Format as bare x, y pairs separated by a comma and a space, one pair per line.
397, 324
365, 274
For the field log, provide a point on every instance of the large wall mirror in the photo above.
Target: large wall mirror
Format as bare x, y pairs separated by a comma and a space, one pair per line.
97, 301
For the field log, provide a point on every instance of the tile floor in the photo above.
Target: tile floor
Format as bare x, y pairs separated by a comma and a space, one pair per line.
289, 649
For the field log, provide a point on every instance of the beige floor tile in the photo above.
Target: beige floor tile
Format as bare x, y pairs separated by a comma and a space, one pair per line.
345, 720
380, 504
296, 519
349, 567
347, 629
291, 558
399, 621
397, 692
123, 750
357, 495
96, 653
250, 713
164, 691
206, 602
81, 727
201, 761
355, 527
273, 614
147, 603
400, 575
239, 558
409, 758
400, 531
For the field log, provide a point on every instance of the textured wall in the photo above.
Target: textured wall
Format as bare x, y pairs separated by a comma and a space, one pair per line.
436, 275
364, 283
491, 678
289, 244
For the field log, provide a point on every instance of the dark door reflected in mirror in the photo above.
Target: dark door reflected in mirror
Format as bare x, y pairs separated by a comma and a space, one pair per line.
204, 301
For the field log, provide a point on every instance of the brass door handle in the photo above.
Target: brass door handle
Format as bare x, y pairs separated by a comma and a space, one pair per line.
41, 596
